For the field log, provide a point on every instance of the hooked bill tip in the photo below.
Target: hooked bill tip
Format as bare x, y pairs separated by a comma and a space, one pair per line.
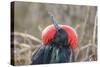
54, 21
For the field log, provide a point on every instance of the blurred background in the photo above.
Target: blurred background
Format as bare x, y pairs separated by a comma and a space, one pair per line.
31, 18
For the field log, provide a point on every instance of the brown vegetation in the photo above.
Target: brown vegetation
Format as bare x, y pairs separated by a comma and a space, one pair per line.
32, 18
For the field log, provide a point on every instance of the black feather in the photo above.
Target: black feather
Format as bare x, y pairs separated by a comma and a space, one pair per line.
38, 56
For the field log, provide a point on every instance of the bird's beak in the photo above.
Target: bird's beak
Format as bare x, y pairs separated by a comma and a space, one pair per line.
55, 22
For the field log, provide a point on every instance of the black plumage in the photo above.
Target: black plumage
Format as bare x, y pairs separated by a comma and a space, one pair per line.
57, 50
52, 54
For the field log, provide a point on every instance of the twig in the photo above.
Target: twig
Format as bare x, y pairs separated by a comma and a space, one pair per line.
87, 52
94, 34
77, 53
86, 46
94, 30
28, 36
84, 25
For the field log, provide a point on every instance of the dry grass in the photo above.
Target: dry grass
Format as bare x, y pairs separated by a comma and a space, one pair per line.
33, 18
23, 48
